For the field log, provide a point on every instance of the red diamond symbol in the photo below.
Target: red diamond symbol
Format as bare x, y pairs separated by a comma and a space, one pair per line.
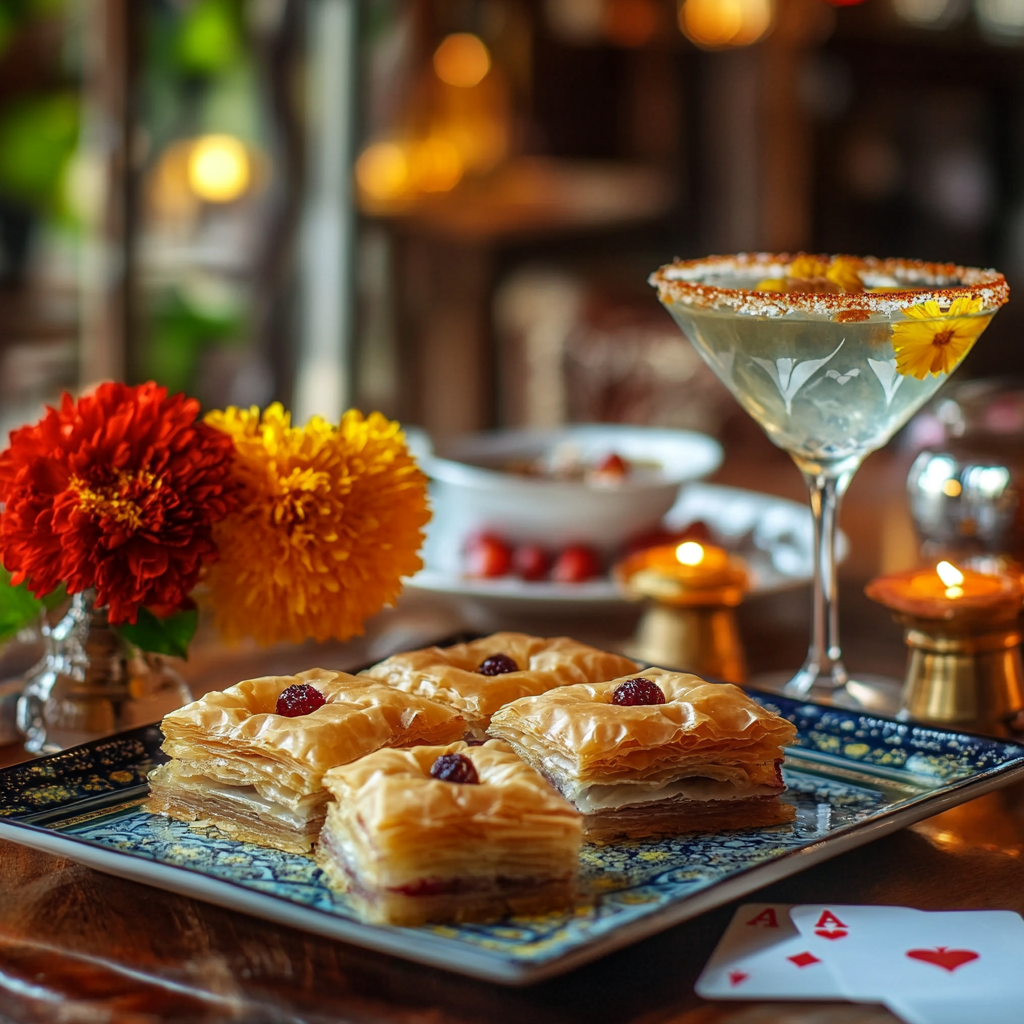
804, 959
735, 977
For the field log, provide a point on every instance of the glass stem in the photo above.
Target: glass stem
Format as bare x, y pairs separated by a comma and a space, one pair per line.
824, 667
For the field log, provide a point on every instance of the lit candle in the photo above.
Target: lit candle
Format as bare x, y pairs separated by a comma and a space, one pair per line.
687, 573
947, 592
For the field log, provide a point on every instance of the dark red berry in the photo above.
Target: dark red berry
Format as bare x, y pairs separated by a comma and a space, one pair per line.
497, 665
488, 557
637, 691
531, 562
454, 768
300, 699
576, 564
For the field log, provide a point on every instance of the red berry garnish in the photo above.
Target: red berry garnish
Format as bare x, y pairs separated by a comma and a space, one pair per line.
454, 768
488, 557
637, 691
576, 564
531, 562
300, 699
497, 665
613, 464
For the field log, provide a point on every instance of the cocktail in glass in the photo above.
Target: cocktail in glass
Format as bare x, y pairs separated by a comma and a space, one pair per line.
831, 356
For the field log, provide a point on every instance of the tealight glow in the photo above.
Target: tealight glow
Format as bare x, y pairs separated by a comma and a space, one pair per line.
690, 553
952, 577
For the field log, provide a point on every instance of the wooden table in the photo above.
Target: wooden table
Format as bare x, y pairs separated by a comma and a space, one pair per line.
78, 946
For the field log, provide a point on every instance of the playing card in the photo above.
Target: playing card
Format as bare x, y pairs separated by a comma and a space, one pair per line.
762, 955
895, 953
993, 1008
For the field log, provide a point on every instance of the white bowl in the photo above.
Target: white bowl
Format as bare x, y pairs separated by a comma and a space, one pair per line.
469, 500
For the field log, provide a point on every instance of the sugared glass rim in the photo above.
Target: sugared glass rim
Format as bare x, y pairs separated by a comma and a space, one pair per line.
941, 282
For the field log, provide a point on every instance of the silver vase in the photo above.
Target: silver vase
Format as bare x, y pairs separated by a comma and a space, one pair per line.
92, 683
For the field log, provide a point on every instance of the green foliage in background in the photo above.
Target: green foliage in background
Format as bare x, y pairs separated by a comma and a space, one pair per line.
38, 136
209, 37
183, 326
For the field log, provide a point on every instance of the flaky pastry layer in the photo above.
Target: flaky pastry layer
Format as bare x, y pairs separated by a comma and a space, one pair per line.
577, 737
240, 811
236, 736
449, 674
676, 817
394, 834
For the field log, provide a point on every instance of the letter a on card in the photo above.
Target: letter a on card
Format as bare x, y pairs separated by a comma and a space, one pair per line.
766, 919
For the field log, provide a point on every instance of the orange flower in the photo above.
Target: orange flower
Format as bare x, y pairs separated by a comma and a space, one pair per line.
119, 492
331, 520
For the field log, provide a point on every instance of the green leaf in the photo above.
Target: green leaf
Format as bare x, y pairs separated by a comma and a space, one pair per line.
161, 636
18, 608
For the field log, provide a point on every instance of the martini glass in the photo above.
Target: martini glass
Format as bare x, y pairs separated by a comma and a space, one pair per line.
831, 356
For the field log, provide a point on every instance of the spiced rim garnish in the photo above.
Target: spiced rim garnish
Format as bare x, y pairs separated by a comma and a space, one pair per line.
930, 283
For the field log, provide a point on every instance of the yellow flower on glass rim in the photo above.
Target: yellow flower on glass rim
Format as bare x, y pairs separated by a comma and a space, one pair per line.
805, 267
330, 521
844, 271
933, 342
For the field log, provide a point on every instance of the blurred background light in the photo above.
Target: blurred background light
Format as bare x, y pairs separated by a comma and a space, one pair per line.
1000, 20
714, 24
435, 165
382, 171
631, 23
462, 60
935, 14
218, 168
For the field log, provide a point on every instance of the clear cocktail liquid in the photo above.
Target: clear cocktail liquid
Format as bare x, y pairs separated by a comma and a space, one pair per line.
824, 391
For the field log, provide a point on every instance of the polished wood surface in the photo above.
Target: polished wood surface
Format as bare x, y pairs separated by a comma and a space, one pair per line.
79, 946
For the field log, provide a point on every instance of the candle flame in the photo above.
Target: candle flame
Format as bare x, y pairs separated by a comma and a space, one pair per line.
949, 574
952, 577
690, 553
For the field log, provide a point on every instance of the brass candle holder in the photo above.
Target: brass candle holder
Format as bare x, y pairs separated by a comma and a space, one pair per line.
963, 634
690, 622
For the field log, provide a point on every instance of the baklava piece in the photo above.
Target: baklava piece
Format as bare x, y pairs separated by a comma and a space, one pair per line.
452, 833
659, 753
251, 759
477, 678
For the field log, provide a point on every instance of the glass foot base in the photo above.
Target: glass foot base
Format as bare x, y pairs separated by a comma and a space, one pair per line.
877, 694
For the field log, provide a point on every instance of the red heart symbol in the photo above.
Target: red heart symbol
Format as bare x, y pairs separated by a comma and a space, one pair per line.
736, 977
942, 956
831, 935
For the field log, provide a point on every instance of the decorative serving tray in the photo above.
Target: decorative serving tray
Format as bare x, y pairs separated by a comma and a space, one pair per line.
852, 777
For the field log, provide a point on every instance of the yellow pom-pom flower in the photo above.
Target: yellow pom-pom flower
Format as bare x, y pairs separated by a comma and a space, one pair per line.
932, 342
331, 519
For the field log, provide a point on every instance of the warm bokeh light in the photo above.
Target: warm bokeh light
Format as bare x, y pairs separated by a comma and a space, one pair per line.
951, 578
630, 22
382, 170
219, 169
714, 24
690, 553
462, 60
435, 165
952, 488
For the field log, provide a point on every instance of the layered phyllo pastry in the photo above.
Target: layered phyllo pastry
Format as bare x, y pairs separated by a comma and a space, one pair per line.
450, 833
251, 759
477, 678
655, 754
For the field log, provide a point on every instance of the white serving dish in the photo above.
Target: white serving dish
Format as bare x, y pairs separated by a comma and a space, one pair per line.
469, 499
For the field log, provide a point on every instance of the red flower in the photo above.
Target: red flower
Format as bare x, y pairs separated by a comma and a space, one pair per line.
117, 491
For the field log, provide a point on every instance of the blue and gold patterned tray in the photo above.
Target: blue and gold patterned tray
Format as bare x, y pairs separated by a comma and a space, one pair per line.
852, 778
